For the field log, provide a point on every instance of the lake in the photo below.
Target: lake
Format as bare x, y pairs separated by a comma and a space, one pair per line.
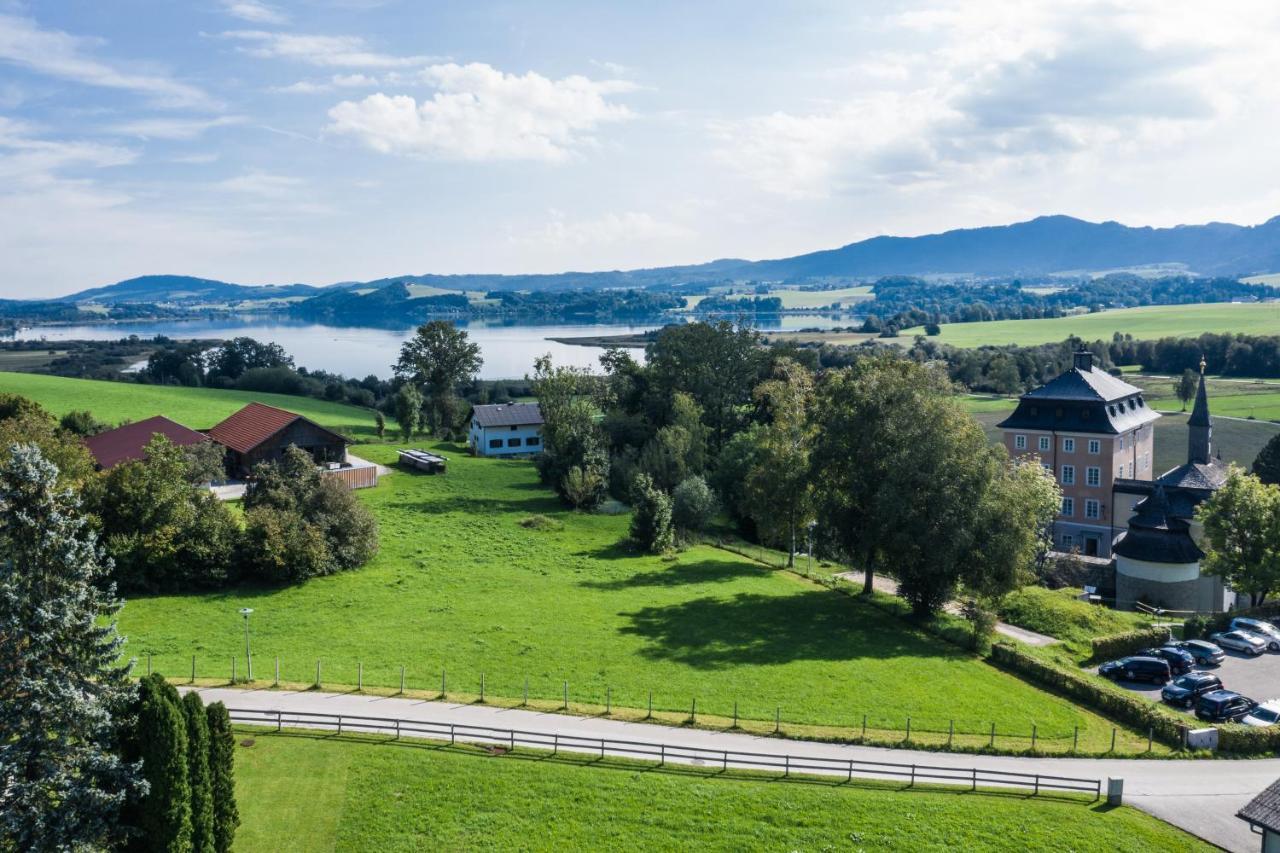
508, 350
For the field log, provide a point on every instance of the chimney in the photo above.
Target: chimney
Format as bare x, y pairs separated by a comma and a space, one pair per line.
1083, 360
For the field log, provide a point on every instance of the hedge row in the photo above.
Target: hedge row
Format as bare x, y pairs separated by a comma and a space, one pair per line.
1102, 697
1248, 739
1119, 645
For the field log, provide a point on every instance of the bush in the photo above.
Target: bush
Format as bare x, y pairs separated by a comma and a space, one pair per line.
540, 522
1248, 739
1119, 645
693, 505
651, 519
1114, 702
583, 487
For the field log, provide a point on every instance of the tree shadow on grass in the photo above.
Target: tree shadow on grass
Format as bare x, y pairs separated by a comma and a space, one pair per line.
453, 503
717, 633
681, 574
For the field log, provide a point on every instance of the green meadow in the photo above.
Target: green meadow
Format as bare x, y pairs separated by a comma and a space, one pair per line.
300, 793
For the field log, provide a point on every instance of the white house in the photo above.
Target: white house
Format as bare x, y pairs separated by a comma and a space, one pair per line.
505, 429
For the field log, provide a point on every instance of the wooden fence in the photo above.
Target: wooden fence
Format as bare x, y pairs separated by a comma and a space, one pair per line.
662, 753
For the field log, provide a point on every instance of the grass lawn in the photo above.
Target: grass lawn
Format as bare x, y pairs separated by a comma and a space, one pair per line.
194, 407
1060, 614
1239, 398
461, 585
1259, 318
322, 793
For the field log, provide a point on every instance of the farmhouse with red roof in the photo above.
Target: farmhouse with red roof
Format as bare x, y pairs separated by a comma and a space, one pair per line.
129, 442
260, 433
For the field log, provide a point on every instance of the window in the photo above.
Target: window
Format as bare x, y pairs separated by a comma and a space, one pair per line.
1068, 507
1067, 541
1095, 446
1093, 476
1130, 470
1044, 442
1092, 509
514, 428
1047, 467
495, 442
1068, 475
532, 441
1020, 442
1068, 445
1122, 442
513, 442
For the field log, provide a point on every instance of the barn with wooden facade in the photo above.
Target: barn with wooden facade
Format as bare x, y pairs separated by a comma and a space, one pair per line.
260, 433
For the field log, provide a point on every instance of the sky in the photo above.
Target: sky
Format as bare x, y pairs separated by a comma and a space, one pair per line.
274, 142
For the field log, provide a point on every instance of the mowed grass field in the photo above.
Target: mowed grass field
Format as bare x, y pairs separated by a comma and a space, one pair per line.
1257, 318
323, 793
197, 408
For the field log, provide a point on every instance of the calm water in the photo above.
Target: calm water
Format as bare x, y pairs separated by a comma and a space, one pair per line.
508, 350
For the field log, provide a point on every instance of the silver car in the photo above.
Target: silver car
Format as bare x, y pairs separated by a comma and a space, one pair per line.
1268, 632
1241, 641
1266, 714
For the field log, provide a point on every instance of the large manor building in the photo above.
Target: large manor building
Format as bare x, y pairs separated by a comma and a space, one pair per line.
1095, 432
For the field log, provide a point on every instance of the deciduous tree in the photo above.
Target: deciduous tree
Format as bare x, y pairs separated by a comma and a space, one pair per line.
1185, 387
1242, 531
408, 403
439, 357
651, 516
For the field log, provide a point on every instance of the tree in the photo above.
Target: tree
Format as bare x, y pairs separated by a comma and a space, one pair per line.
1186, 386
651, 516
1242, 531
164, 815
439, 357
198, 773
571, 433
583, 488
1266, 467
63, 692
24, 421
779, 486
693, 505
678, 449
81, 422
380, 424
234, 357
222, 746
408, 403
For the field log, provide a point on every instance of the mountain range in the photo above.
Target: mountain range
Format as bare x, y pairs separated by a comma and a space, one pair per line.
1041, 246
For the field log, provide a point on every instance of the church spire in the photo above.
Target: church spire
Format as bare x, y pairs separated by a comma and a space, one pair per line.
1200, 425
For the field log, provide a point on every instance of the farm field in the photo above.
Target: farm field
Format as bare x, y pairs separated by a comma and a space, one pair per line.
197, 408
1258, 318
1238, 398
462, 590
793, 299
322, 793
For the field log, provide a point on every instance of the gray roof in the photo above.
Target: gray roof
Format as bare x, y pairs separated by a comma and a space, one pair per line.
1083, 399
508, 414
1264, 809
1084, 385
1156, 535
1197, 475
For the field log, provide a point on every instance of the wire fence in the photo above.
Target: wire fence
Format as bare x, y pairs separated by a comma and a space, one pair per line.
749, 715
663, 753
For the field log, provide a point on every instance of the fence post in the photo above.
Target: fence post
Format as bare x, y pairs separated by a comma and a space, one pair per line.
482, 688
1037, 790
397, 729
526, 691
1075, 739
951, 732
276, 683
1151, 733
693, 711
402, 679
339, 724
1033, 737
359, 677
1113, 739
233, 670
662, 754
974, 771
908, 740
992, 743
864, 726
279, 721
649, 716
724, 763
566, 695
317, 672
555, 743
913, 777
452, 734
735, 713
513, 740
777, 719
787, 769
443, 682
608, 701
849, 778
193, 669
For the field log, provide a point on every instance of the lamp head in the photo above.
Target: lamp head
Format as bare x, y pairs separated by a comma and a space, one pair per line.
245, 611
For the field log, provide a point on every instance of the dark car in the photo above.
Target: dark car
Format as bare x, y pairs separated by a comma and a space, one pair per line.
1224, 706
1184, 690
1180, 662
1204, 652
1153, 669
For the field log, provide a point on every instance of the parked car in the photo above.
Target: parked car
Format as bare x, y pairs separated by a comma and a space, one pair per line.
1266, 714
1268, 632
1204, 652
1180, 662
1184, 690
1155, 670
1224, 706
1241, 641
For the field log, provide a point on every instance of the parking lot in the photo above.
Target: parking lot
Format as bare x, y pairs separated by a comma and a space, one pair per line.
1255, 677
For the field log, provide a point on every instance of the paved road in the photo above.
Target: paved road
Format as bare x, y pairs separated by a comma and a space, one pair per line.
1201, 797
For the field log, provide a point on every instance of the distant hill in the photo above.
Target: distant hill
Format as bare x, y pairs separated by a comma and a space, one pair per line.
1047, 244
185, 288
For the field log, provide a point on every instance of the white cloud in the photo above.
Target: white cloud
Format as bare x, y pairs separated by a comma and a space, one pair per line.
33, 160
1036, 86
481, 113
612, 229
59, 54
171, 128
323, 51
254, 12
343, 81
263, 185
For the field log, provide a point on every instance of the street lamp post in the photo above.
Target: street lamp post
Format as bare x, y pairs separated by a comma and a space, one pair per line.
809, 540
248, 655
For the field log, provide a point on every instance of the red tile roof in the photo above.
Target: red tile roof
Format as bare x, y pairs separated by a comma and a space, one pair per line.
254, 424
129, 442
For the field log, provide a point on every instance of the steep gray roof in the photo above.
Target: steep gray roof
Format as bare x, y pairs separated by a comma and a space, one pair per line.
1156, 535
508, 414
1084, 385
1083, 399
1264, 809
1196, 475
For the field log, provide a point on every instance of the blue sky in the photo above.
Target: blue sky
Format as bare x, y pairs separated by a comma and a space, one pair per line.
332, 140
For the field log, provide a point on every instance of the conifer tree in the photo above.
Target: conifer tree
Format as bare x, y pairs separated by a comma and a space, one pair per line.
63, 695
222, 746
198, 751
165, 813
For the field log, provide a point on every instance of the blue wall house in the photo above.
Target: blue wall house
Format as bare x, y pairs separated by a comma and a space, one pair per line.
505, 429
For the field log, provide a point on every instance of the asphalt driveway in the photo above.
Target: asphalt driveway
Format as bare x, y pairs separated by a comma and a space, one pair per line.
1255, 677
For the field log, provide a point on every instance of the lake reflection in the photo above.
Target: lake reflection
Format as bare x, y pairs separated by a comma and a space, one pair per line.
508, 350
